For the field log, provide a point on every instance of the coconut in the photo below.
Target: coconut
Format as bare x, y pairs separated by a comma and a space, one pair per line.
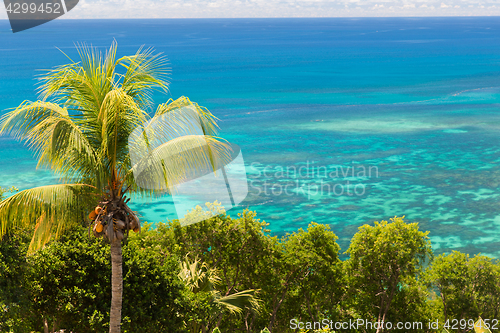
92, 215
133, 224
99, 227
119, 234
120, 225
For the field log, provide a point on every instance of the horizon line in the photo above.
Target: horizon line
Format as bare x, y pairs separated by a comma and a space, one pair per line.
265, 17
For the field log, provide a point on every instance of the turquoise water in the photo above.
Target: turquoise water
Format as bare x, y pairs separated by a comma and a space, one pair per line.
410, 105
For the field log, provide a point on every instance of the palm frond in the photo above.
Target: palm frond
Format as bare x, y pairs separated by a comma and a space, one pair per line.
119, 116
27, 115
145, 71
197, 276
53, 209
58, 142
179, 160
105, 105
182, 110
236, 302
80, 86
83, 85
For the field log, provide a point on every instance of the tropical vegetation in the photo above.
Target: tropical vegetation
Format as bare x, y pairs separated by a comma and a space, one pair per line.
298, 276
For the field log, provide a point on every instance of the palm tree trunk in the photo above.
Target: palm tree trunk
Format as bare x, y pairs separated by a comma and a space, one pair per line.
116, 287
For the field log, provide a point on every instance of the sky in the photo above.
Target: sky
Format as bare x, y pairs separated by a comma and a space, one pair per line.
279, 8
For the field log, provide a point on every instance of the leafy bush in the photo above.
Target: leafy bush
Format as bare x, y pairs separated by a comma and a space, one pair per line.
69, 281
467, 287
15, 303
385, 263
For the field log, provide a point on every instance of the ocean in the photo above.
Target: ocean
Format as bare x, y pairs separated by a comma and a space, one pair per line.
342, 121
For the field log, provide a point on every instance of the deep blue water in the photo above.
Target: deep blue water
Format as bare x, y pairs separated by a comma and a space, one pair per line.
413, 100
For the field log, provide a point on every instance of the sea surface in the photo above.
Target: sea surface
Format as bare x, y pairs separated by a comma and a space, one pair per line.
341, 121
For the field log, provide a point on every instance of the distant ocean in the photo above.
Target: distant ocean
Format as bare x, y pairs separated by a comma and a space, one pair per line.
341, 121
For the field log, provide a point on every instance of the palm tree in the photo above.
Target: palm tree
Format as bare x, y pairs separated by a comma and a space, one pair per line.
80, 128
199, 278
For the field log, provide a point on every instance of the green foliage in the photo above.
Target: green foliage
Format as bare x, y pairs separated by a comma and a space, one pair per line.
201, 279
299, 276
86, 114
69, 282
468, 287
311, 275
325, 329
197, 276
154, 298
385, 261
15, 303
241, 251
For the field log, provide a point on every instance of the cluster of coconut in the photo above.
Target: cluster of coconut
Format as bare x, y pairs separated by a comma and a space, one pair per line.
113, 220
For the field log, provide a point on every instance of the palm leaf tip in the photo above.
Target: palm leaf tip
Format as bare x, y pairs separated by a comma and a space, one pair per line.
49, 209
199, 277
481, 327
238, 301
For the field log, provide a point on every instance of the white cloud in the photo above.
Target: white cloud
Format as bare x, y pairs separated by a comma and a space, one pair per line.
277, 8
